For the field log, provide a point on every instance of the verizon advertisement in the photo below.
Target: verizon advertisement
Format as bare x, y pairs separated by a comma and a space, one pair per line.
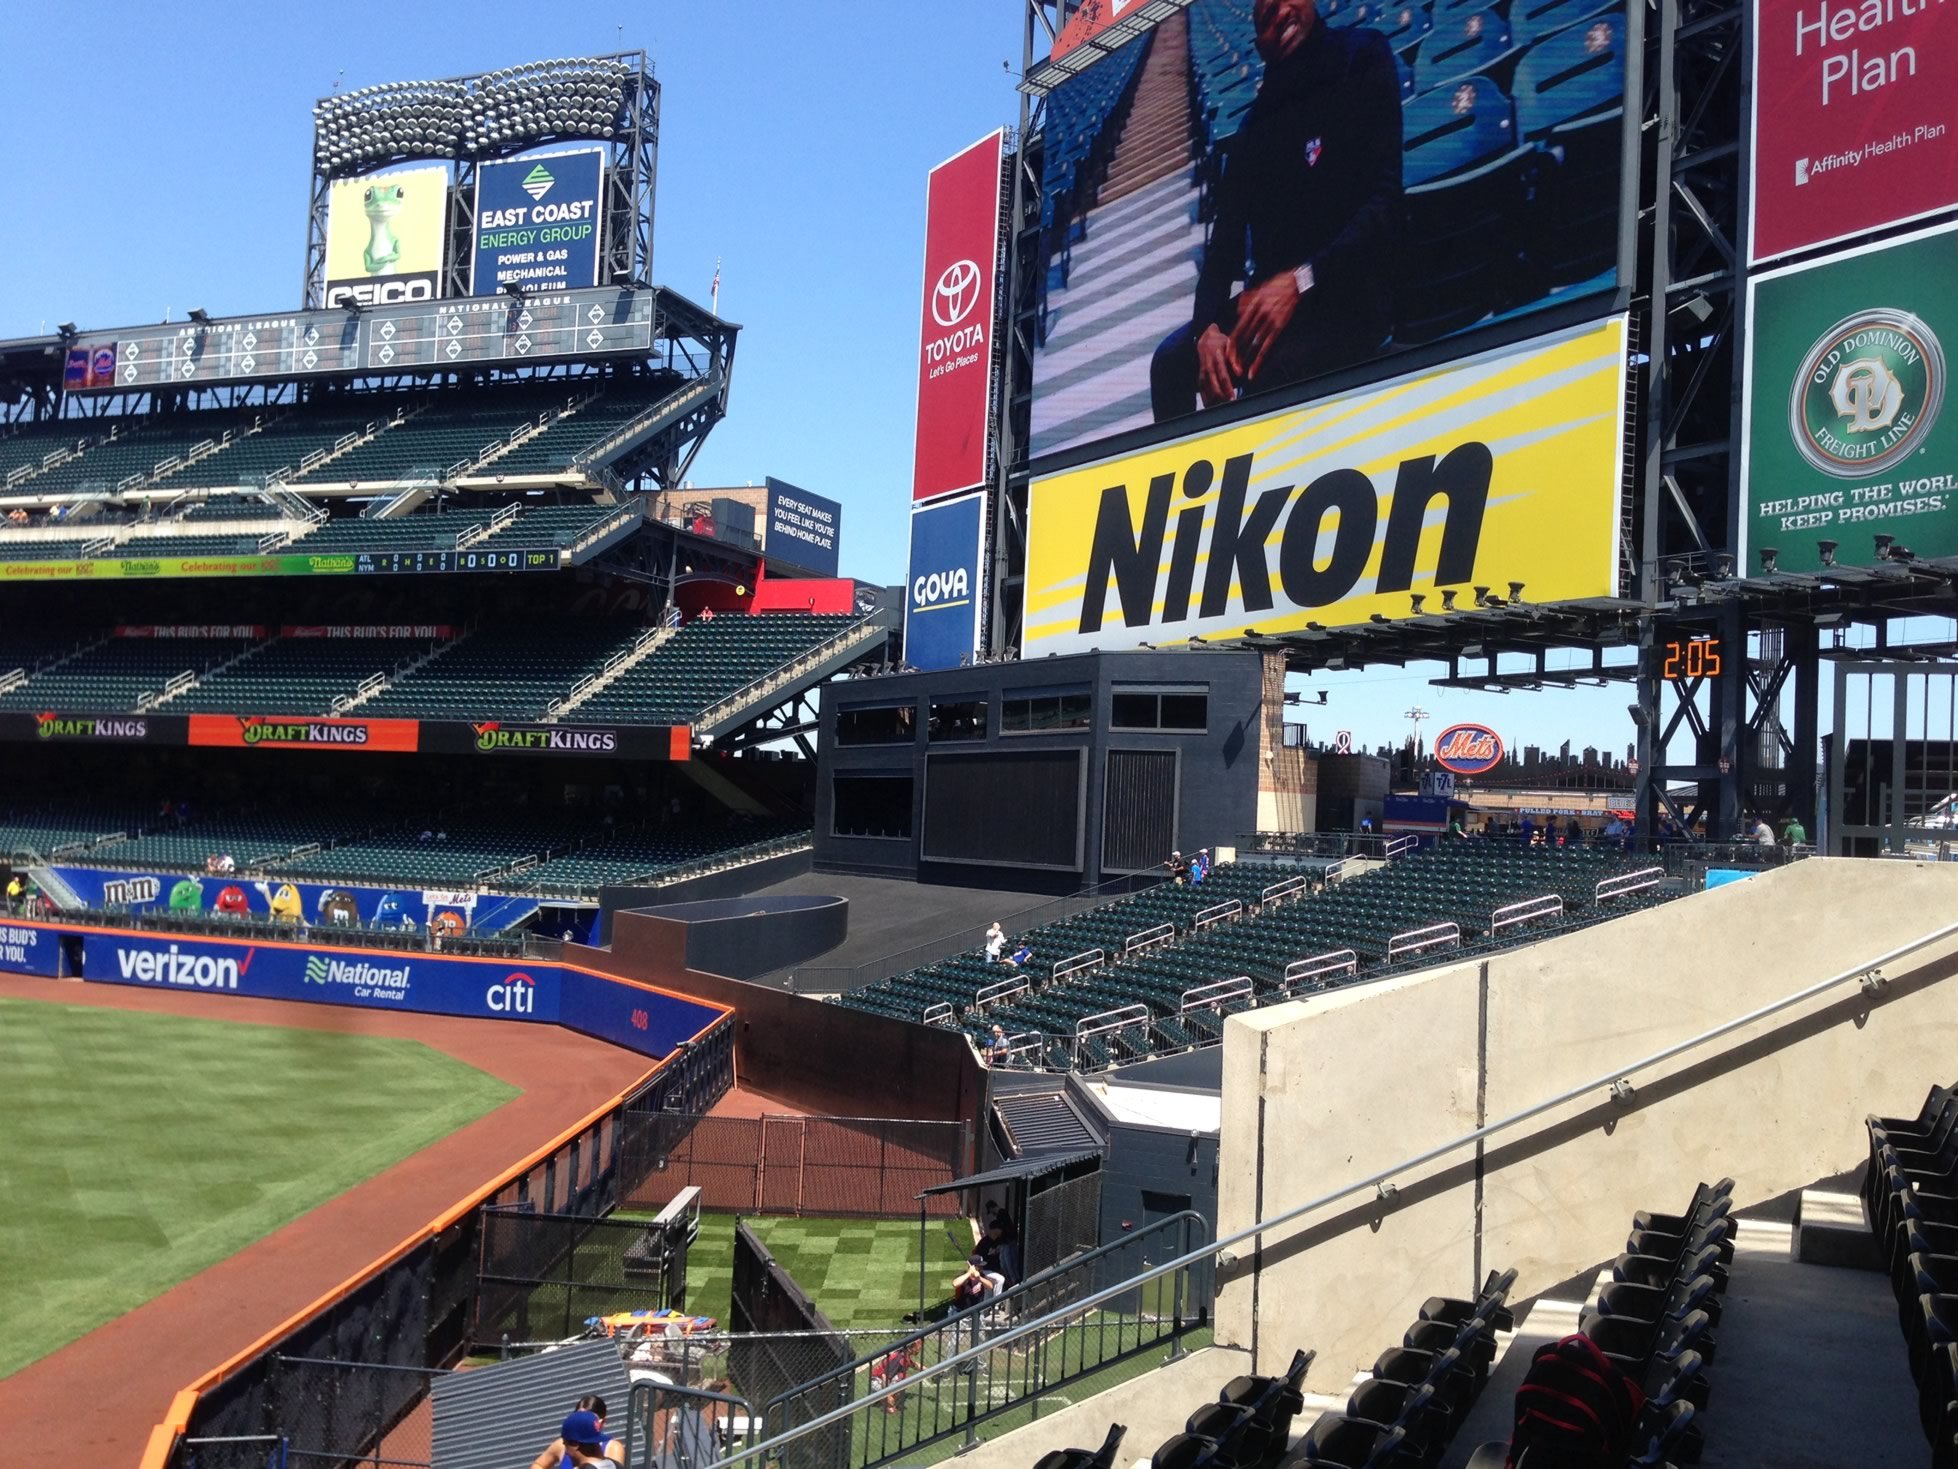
1855, 107
955, 349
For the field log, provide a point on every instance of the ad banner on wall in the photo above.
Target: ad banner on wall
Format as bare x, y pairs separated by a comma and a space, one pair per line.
1846, 433
1855, 121
374, 978
386, 235
1502, 468
538, 222
328, 904
947, 583
31, 948
955, 346
802, 527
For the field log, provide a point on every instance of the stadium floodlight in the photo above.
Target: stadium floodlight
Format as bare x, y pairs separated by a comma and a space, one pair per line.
67, 329
1416, 598
514, 291
1883, 545
1827, 550
1448, 599
199, 315
1769, 555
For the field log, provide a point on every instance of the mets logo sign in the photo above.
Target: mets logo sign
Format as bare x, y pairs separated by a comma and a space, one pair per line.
1468, 749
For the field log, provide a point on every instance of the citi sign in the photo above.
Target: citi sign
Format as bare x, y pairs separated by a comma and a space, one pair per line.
173, 966
1468, 749
517, 995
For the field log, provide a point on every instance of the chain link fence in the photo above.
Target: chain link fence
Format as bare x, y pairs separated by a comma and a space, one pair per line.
871, 1167
547, 1275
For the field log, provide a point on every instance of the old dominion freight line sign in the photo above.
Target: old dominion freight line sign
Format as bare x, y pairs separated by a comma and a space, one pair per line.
1849, 435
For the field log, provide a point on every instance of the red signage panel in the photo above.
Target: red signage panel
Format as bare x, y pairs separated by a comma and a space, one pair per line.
1090, 19
955, 349
1855, 119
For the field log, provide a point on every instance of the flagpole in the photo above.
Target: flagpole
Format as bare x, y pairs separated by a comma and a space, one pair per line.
714, 295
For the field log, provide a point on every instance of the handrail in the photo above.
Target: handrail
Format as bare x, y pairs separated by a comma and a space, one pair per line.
1627, 882
1414, 940
1611, 1084
1511, 914
1075, 963
1338, 961
939, 1014
1149, 938
1217, 913
999, 990
1219, 992
1337, 870
1105, 1021
1282, 889
784, 673
1399, 845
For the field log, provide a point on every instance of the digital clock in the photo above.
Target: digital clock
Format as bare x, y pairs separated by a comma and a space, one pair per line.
1695, 658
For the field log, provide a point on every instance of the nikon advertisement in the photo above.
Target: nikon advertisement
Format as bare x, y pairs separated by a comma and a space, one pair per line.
1500, 468
1848, 435
384, 237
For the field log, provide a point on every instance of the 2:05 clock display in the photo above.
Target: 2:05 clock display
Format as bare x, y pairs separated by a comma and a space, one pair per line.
1695, 658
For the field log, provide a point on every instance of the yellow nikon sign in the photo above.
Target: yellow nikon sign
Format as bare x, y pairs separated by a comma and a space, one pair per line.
1503, 467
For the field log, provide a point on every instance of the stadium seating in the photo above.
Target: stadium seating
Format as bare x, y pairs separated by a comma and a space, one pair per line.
547, 527
426, 530
277, 447
251, 841
46, 827
553, 450
1570, 105
633, 856
1910, 1196
1227, 947
1408, 1410
297, 675
706, 661
1077, 111
452, 856
510, 673
426, 443
167, 543
137, 450
221, 507
115, 675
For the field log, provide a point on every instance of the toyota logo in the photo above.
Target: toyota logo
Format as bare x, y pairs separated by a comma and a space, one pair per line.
956, 293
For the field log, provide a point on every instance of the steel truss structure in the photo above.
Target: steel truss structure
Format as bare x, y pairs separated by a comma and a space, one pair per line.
1681, 519
629, 137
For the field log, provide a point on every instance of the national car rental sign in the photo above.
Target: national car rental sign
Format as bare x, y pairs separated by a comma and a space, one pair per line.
955, 347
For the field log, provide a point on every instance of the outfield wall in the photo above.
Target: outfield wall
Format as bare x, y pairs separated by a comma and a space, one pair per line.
621, 1010
1325, 1092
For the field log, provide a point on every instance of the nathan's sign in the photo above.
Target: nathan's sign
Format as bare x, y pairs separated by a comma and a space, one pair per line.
1849, 434
1501, 468
543, 739
264, 732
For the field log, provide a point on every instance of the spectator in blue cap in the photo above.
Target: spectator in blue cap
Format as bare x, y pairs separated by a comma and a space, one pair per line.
582, 1439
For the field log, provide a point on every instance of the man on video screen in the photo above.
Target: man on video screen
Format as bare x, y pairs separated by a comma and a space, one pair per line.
1310, 197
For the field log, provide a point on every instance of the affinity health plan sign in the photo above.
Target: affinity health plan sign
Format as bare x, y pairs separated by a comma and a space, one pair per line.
1849, 432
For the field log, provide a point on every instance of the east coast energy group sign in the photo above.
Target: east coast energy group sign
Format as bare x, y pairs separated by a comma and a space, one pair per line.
1498, 468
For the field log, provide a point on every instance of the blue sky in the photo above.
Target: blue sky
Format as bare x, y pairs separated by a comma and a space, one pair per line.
159, 162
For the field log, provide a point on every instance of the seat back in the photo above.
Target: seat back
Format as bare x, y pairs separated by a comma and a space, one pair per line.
1571, 74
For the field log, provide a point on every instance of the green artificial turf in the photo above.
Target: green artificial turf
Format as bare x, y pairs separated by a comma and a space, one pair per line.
859, 1272
136, 1150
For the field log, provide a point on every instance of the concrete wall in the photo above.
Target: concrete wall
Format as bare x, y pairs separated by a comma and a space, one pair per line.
1330, 1090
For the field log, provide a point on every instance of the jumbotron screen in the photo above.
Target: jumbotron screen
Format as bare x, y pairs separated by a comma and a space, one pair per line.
1257, 194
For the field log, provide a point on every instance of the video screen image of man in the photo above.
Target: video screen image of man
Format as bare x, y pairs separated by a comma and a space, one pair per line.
1306, 212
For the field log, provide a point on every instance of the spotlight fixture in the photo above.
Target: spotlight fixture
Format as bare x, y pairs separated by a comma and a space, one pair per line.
514, 291
1883, 545
67, 328
1516, 591
1688, 316
199, 315
1769, 555
1827, 550
1448, 599
1417, 599
1723, 566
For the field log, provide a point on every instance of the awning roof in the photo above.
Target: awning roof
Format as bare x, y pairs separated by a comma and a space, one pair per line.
1012, 1172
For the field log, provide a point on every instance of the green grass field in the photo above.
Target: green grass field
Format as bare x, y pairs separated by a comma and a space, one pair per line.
859, 1272
140, 1149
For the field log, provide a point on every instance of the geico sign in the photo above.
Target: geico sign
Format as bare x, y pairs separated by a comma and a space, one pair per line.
1344, 502
384, 292
940, 588
516, 995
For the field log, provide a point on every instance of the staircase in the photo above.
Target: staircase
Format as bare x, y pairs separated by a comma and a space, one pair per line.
381, 682
1133, 274
189, 680
648, 643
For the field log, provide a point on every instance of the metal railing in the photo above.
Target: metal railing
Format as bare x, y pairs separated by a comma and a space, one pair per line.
1511, 914
1399, 847
785, 674
1613, 1086
1285, 889
1214, 996
999, 990
1014, 1374
1319, 968
1076, 963
940, 1014
1627, 882
1216, 913
1149, 938
1417, 939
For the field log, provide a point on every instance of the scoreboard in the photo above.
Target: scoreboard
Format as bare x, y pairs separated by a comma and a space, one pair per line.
427, 336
